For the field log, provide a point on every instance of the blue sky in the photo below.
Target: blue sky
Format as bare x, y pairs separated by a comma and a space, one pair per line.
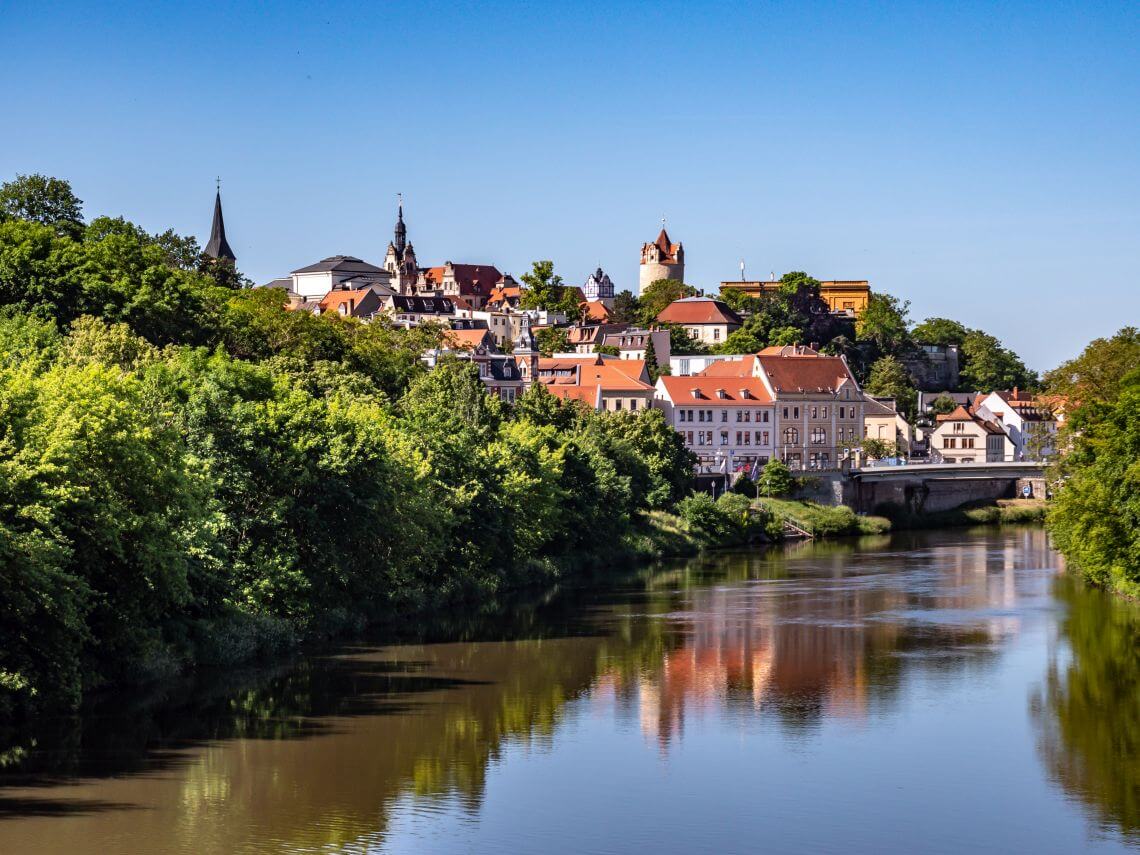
979, 160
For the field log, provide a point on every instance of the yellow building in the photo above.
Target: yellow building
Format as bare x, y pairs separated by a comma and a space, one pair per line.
841, 295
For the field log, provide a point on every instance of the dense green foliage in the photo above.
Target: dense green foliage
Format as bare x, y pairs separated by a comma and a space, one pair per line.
545, 290
1095, 517
889, 379
189, 472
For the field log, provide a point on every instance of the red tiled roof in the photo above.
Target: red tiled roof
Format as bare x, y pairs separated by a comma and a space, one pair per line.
333, 300
465, 339
715, 391
667, 247
596, 311
745, 366
610, 374
473, 279
698, 310
806, 373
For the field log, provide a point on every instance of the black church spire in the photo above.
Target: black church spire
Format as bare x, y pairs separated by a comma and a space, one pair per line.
218, 247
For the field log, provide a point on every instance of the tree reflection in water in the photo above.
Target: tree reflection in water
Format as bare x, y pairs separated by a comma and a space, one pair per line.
318, 754
1088, 712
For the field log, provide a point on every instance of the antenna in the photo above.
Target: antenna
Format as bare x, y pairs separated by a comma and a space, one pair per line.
742, 270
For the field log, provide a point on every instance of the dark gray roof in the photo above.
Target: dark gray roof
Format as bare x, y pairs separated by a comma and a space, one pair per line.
219, 247
422, 305
340, 264
284, 282
503, 367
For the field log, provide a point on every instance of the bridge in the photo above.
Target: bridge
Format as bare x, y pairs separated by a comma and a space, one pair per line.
941, 486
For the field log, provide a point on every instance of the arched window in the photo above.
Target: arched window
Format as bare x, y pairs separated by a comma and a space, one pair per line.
791, 436
818, 437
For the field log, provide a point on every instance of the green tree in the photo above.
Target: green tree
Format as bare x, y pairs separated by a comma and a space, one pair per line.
1095, 517
775, 479
607, 349
552, 340
943, 405
544, 289
40, 199
889, 379
743, 340
939, 331
1095, 375
884, 323
626, 308
658, 295
989, 366
683, 344
651, 366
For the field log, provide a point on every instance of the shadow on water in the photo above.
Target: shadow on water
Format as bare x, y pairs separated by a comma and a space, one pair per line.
1088, 711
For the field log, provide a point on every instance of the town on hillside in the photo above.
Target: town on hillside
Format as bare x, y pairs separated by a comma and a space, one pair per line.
690, 355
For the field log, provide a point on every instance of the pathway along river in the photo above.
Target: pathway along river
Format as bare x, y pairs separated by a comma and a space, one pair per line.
939, 692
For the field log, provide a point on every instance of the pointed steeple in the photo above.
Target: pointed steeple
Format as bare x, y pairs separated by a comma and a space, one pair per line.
219, 247
401, 230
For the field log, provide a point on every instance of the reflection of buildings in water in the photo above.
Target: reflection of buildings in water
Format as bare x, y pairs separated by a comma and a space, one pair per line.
828, 643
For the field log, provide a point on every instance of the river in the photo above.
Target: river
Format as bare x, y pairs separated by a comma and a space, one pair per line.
934, 692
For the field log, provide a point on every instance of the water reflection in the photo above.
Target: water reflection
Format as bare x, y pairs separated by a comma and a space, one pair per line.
324, 754
1089, 711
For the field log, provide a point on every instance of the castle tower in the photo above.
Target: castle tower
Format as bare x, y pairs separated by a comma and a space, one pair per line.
400, 258
661, 259
219, 248
599, 288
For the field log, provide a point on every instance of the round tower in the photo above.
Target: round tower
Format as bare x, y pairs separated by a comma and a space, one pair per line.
661, 259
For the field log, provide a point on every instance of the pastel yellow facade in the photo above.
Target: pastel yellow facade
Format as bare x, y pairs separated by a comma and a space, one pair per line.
841, 295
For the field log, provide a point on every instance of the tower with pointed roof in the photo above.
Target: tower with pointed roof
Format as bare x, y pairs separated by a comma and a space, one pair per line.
218, 247
661, 259
400, 259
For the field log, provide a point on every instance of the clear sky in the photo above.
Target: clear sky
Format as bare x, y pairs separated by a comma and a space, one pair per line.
979, 160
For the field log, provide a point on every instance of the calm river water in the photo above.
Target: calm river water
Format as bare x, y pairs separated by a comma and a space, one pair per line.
939, 692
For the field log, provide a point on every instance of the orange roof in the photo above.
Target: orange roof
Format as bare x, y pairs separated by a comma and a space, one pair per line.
961, 414
596, 311
806, 373
698, 310
504, 294
465, 339
667, 247
610, 374
716, 391
788, 350
471, 278
744, 366
333, 300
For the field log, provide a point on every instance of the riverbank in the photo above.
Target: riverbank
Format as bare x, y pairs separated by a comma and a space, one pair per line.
825, 521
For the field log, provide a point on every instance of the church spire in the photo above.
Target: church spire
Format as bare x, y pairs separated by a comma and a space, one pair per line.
401, 230
218, 247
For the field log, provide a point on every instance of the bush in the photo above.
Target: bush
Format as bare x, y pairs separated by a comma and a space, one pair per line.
775, 479
745, 486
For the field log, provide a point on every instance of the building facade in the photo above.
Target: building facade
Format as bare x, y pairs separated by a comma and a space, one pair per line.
599, 288
705, 319
843, 296
727, 422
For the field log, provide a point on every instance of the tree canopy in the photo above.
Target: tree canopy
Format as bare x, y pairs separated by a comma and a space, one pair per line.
40, 199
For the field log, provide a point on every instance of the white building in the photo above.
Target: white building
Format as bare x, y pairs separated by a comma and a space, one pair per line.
728, 422
967, 437
339, 273
1030, 423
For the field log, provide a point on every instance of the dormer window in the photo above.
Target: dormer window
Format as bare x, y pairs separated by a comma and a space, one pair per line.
720, 393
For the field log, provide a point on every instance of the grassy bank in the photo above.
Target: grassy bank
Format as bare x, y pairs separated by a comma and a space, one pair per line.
824, 521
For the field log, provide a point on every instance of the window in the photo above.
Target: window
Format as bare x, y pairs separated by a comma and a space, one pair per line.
949, 442
795, 412
716, 334
708, 437
763, 413
617, 404
633, 404
748, 437
815, 412
747, 415
823, 412
709, 414
785, 412
724, 437
818, 436
765, 437
700, 437
791, 436
738, 437
701, 413
758, 435
724, 415
825, 459
739, 416
689, 437
967, 442
842, 412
